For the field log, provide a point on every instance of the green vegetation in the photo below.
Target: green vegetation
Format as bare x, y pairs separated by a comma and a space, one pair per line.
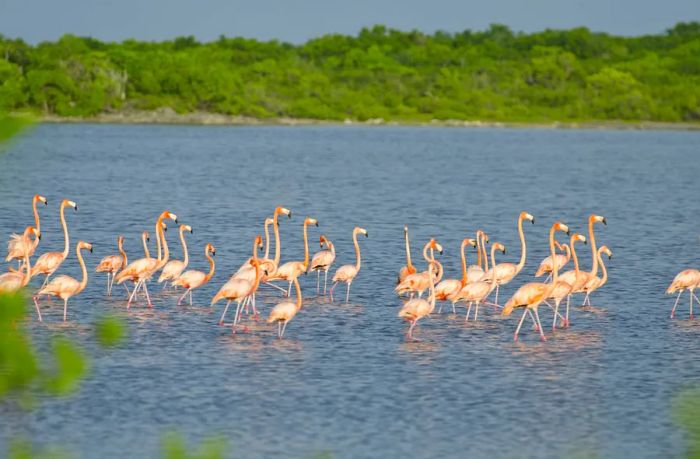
686, 413
12, 125
493, 75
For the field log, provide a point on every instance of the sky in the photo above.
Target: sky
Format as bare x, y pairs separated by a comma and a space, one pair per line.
296, 21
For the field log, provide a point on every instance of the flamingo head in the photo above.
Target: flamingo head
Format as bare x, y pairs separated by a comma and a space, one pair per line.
469, 241
70, 203
31, 230
169, 215
210, 249
433, 244
85, 245
498, 246
525, 216
269, 221
259, 242
146, 236
485, 237
559, 226
359, 230
579, 237
184, 228
283, 211
322, 240
120, 241
310, 221
597, 218
40, 198
604, 249
405, 229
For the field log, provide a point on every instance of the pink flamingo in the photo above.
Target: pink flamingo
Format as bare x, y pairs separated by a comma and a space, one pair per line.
592, 219
285, 311
530, 295
561, 260
14, 281
573, 278
322, 261
193, 279
348, 273
292, 269
477, 292
686, 280
65, 287
594, 283
111, 264
476, 272
18, 244
409, 269
417, 308
420, 282
449, 288
240, 288
49, 262
174, 268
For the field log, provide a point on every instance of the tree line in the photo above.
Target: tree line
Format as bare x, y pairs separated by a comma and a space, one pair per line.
496, 74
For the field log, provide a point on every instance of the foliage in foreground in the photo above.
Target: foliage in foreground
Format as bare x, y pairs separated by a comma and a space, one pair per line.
380, 73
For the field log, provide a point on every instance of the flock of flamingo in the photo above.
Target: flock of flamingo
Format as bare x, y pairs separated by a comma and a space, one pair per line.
477, 282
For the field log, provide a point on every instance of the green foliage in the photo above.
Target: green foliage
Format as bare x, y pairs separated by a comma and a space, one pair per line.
110, 331
175, 447
496, 74
686, 413
10, 126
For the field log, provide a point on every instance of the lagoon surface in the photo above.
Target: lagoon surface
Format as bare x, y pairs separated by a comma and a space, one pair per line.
345, 380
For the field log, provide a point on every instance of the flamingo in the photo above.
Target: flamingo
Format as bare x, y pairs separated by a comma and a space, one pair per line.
561, 260
285, 311
594, 283
347, 273
449, 288
530, 295
65, 287
49, 262
592, 220
239, 288
174, 268
322, 261
267, 265
477, 292
193, 279
13, 281
419, 282
265, 261
476, 272
573, 278
145, 239
688, 279
18, 244
111, 264
417, 308
292, 269
506, 272
142, 269
409, 268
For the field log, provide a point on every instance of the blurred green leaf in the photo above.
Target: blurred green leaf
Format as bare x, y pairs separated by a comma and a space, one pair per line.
686, 413
71, 366
111, 330
175, 447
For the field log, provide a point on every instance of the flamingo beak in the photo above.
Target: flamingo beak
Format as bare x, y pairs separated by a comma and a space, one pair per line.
533, 220
605, 222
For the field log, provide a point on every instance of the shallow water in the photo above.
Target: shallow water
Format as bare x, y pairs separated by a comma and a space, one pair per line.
345, 380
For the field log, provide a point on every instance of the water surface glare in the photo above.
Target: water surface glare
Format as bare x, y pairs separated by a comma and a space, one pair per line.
344, 379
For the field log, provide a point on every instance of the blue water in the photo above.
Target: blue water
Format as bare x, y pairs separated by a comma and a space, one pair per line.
345, 380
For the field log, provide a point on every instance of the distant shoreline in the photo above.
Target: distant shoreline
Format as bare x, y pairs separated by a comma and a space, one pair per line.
167, 116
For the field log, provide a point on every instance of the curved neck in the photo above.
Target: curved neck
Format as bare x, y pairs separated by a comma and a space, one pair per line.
159, 249
145, 246
83, 283
120, 243
332, 248
440, 271
604, 279
184, 247
267, 240
358, 263
276, 227
567, 249
255, 249
166, 252
408, 252
298, 290
28, 272
37, 222
306, 248
552, 253
464, 265
425, 252
256, 281
66, 247
523, 253
485, 258
493, 264
594, 247
479, 261
575, 257
212, 265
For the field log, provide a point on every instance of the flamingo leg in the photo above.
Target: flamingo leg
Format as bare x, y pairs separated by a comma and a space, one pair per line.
65, 308
148, 297
284, 327
165, 284
454, 311
566, 321
347, 294
476, 312
190, 296
318, 282
221, 321
410, 329
520, 324
469, 310
107, 283
539, 325
549, 276
127, 289
691, 303
289, 289
275, 286
333, 288
235, 317
179, 301
38, 311
279, 329
496, 300
325, 281
675, 305
440, 310
133, 293
255, 309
